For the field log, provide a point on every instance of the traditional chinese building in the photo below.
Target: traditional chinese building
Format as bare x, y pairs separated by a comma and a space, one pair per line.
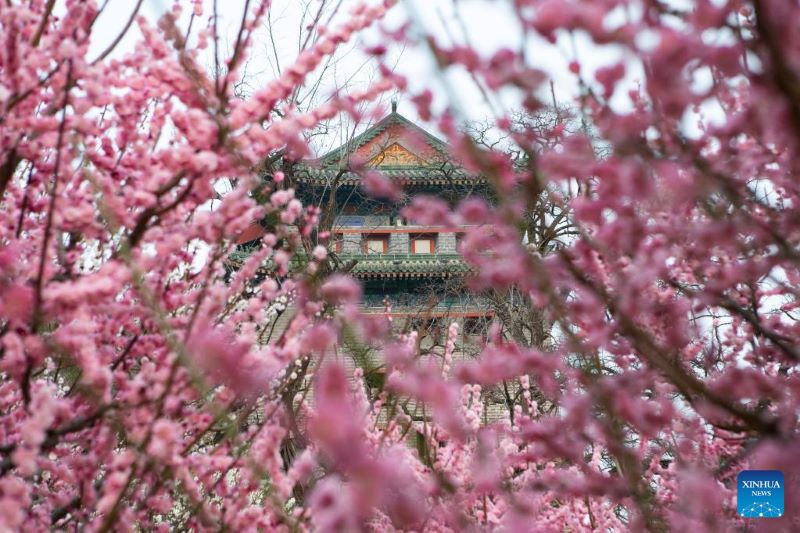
417, 270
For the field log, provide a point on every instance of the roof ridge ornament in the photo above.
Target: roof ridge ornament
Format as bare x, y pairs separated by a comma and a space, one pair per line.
394, 105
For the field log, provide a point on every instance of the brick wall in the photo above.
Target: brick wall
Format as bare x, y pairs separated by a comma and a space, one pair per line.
398, 243
446, 243
351, 243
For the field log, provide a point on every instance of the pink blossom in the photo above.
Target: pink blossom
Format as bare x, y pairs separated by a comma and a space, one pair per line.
320, 338
380, 187
332, 507
17, 303
14, 500
227, 360
205, 162
340, 289
428, 211
635, 250
319, 253
609, 76
281, 197
163, 442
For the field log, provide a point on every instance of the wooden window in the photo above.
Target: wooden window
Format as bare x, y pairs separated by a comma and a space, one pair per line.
428, 328
376, 244
423, 243
475, 326
459, 238
338, 243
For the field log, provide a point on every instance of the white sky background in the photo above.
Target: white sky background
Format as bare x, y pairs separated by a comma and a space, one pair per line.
489, 25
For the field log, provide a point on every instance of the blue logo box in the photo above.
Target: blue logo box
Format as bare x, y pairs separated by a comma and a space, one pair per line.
759, 493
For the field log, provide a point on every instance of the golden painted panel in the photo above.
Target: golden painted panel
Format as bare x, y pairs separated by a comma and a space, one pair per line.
395, 155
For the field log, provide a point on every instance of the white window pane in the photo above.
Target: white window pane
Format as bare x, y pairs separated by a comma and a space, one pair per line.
423, 246
375, 246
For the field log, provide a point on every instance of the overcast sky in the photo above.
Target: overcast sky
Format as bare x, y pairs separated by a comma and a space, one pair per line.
488, 24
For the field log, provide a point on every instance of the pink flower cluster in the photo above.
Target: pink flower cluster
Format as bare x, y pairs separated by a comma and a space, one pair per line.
652, 252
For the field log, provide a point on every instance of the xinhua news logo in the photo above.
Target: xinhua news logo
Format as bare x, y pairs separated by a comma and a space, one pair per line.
759, 493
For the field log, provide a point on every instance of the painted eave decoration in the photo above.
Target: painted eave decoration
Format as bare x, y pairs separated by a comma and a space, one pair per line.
398, 148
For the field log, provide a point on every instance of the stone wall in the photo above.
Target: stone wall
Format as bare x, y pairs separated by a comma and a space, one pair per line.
398, 243
446, 243
351, 243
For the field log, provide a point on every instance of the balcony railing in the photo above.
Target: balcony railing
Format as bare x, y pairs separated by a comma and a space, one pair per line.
423, 301
399, 257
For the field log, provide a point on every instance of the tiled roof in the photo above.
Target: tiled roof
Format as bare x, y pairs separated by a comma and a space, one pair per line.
392, 118
408, 265
429, 175
441, 172
381, 265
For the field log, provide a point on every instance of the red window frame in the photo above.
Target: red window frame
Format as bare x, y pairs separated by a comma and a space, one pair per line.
422, 237
475, 326
374, 237
428, 327
338, 242
459, 238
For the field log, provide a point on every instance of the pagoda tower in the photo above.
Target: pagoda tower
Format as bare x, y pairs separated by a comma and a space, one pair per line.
415, 270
